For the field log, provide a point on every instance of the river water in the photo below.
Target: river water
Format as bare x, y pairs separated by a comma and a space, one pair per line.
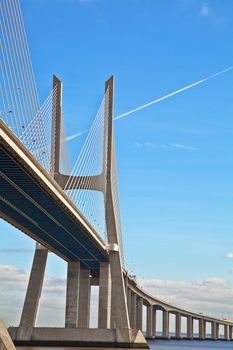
156, 345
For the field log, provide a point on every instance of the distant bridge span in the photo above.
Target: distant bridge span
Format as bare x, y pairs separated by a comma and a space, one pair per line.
137, 297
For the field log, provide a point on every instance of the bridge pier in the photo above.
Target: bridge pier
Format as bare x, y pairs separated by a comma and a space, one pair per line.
84, 299
213, 330
72, 294
178, 325
230, 332
31, 304
133, 314
226, 332
217, 330
149, 321
129, 294
139, 313
189, 327
165, 330
154, 321
104, 296
201, 329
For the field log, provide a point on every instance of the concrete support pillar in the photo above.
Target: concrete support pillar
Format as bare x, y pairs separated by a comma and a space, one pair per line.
154, 322
72, 294
189, 327
126, 281
104, 316
213, 330
230, 332
165, 331
217, 330
178, 326
226, 334
133, 314
139, 312
30, 308
129, 301
149, 321
84, 299
201, 328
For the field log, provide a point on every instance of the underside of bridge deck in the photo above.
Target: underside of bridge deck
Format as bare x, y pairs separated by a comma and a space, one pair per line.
28, 204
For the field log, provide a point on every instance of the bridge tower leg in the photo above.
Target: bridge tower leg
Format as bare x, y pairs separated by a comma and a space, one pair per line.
31, 304
119, 309
56, 127
73, 267
119, 312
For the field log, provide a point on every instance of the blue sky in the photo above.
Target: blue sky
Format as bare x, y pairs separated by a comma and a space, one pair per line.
174, 158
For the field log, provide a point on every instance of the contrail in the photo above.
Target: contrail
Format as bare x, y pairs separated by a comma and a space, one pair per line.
157, 100
172, 94
80, 133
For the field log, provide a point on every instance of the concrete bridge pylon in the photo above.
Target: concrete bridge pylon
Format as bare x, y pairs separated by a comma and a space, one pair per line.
113, 314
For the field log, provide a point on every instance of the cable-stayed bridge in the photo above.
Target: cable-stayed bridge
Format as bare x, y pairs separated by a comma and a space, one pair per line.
75, 214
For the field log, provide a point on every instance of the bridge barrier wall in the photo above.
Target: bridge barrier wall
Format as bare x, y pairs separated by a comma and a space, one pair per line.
130, 338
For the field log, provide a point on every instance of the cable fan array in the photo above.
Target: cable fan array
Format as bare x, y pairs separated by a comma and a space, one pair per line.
19, 102
19, 97
37, 137
87, 182
86, 185
20, 110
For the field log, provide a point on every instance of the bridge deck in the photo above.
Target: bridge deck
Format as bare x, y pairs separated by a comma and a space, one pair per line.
33, 202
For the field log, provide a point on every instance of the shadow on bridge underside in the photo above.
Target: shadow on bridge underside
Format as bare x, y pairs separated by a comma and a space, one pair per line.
32, 201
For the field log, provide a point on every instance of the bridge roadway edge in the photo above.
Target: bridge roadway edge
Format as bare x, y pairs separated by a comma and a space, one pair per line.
10, 143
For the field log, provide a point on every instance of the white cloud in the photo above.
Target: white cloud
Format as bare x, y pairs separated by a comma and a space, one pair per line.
205, 10
229, 256
13, 286
212, 296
